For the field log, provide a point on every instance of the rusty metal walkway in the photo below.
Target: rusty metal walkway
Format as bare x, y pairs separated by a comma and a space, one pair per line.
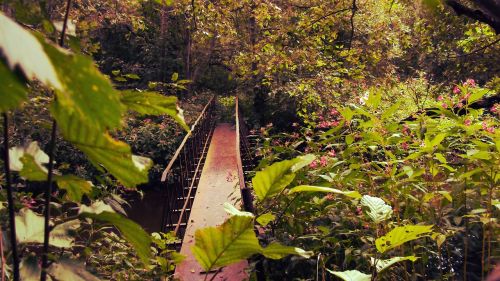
219, 183
206, 171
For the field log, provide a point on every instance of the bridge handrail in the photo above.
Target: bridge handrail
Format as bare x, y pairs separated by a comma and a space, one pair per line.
181, 146
241, 133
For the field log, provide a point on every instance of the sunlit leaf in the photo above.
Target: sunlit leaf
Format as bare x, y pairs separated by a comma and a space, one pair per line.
378, 210
273, 179
101, 149
21, 49
231, 242
265, 219
88, 96
151, 103
400, 235
12, 91
310, 188
131, 231
384, 264
70, 270
96, 208
30, 229
278, 251
351, 275
75, 187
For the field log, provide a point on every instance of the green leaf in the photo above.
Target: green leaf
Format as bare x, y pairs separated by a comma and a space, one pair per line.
384, 264
102, 149
273, 179
70, 270
21, 49
278, 251
231, 242
88, 96
130, 230
477, 94
478, 154
175, 76
374, 99
132, 76
391, 110
265, 219
151, 103
96, 208
75, 187
311, 188
302, 161
30, 229
400, 235
351, 275
379, 210
12, 91
440, 158
29, 269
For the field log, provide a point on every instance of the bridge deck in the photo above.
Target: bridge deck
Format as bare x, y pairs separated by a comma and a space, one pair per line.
218, 184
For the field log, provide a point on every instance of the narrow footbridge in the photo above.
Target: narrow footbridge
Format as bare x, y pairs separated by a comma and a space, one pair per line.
206, 171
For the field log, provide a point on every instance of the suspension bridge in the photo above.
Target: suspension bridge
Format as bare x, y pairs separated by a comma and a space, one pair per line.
207, 170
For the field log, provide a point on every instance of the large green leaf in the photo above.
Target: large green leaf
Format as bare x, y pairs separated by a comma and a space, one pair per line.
273, 179
278, 251
102, 149
64, 270
88, 96
30, 229
75, 187
378, 209
234, 241
351, 275
12, 91
311, 188
265, 219
231, 242
400, 235
22, 50
151, 103
130, 230
384, 264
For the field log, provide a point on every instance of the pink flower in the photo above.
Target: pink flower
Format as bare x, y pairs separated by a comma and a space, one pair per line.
404, 145
323, 161
466, 97
147, 121
331, 153
313, 165
467, 122
485, 126
359, 211
406, 129
470, 82
440, 98
491, 130
334, 111
329, 196
460, 105
495, 108
456, 90
444, 105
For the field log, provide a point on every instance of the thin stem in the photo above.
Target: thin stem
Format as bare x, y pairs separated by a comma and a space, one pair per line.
47, 195
48, 191
10, 199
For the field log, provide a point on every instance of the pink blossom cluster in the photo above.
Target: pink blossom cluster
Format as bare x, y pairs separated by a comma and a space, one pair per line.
323, 160
332, 120
489, 129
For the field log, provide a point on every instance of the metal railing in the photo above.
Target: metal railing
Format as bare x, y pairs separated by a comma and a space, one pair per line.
245, 158
181, 177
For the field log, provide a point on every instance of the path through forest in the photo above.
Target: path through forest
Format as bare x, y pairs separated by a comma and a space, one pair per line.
218, 184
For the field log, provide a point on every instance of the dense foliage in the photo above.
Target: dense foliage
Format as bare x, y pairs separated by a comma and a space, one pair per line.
378, 128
